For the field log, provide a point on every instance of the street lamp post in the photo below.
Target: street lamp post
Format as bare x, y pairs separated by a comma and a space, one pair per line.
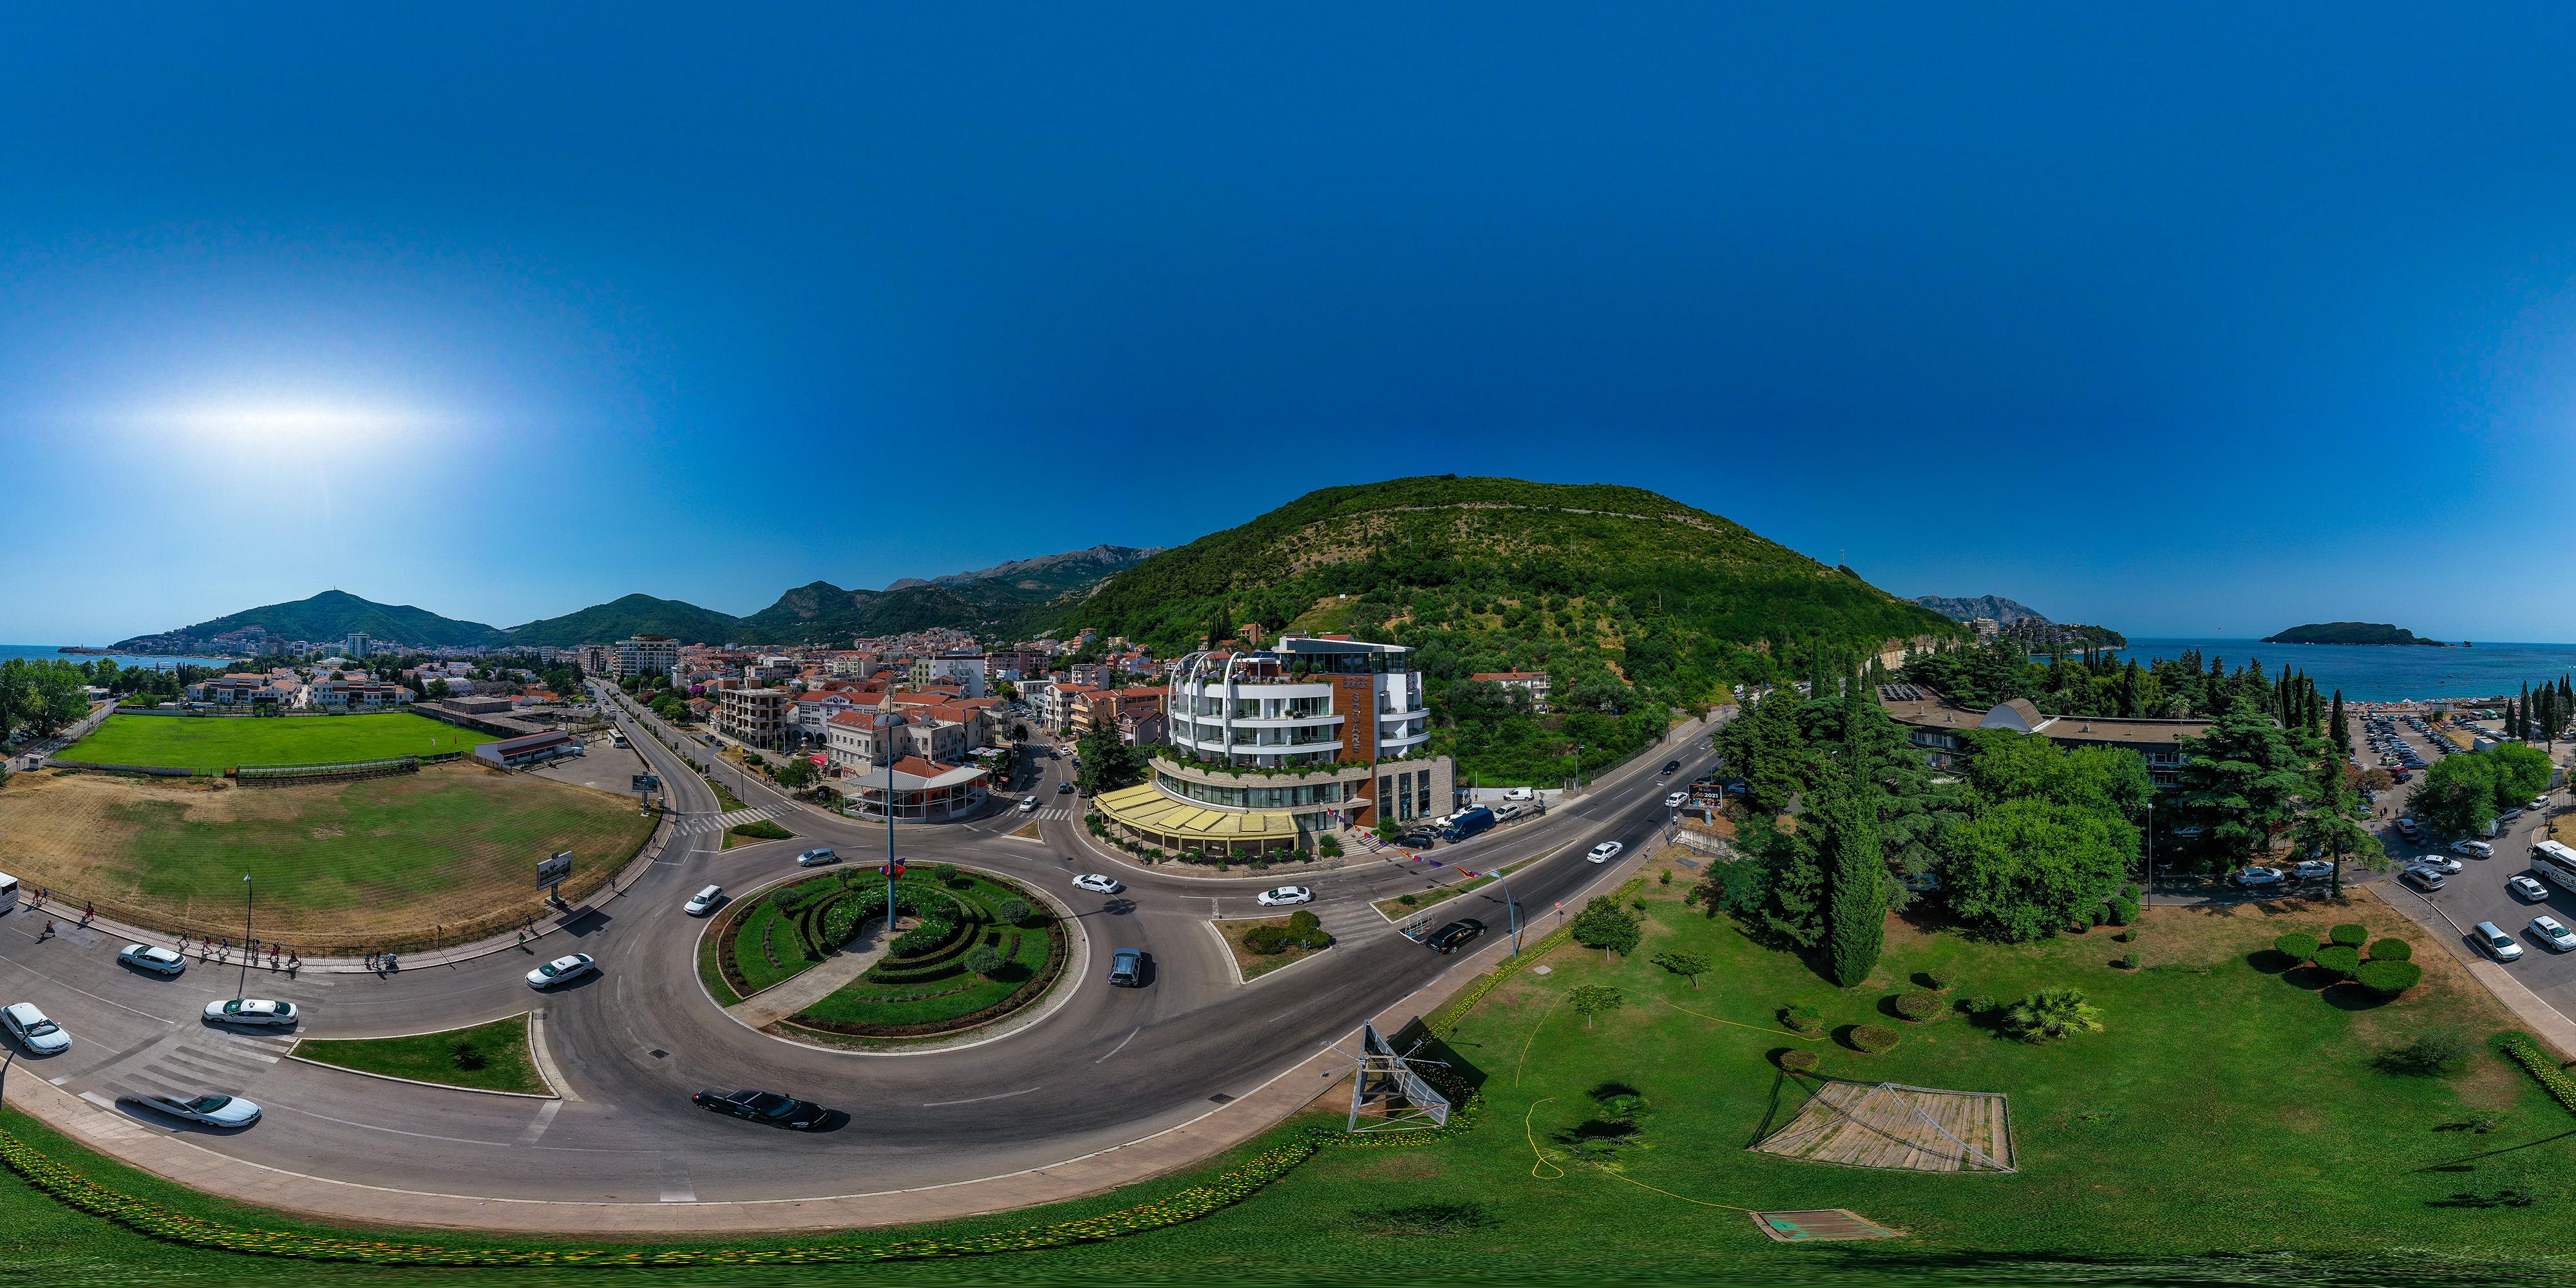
1511, 908
249, 890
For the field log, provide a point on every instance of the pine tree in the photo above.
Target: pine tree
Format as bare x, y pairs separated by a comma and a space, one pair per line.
2342, 732
1857, 927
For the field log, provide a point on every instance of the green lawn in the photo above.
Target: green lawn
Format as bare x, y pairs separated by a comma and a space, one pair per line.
221, 742
866, 1002
499, 1059
765, 925
2226, 1128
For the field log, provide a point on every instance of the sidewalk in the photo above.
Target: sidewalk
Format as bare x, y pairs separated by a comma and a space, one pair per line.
2545, 1021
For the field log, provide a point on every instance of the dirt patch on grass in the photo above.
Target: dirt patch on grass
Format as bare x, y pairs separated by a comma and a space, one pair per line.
383, 862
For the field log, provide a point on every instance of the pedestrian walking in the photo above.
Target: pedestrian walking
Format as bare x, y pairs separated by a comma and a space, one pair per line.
48, 932
293, 963
88, 911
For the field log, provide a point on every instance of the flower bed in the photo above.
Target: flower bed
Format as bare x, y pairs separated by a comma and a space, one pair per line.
923, 988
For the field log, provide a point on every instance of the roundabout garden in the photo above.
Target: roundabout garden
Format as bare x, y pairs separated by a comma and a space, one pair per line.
968, 949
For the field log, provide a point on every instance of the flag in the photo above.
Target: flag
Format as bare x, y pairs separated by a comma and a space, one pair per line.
894, 869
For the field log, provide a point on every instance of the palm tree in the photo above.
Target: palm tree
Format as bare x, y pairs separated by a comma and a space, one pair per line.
2053, 1013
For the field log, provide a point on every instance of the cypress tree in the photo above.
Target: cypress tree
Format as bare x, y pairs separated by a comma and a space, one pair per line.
2342, 732
1857, 918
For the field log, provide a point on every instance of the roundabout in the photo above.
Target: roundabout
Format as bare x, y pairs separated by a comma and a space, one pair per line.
1072, 1087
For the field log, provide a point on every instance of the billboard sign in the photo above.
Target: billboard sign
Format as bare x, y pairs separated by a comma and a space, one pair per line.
551, 872
646, 783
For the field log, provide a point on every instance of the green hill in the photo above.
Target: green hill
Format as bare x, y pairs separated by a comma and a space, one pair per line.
2349, 633
1632, 602
336, 614
633, 615
1000, 602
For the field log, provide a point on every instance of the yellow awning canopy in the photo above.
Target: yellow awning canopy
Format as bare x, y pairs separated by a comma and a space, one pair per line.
1148, 810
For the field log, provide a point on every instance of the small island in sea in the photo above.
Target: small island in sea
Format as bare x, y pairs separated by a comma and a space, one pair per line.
2350, 633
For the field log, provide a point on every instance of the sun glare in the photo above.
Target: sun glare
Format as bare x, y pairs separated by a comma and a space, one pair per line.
288, 424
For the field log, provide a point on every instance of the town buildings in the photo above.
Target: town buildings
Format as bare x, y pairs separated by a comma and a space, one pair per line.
645, 655
756, 717
1533, 683
1941, 729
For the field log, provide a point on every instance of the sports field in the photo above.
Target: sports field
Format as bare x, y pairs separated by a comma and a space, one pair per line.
221, 742
453, 845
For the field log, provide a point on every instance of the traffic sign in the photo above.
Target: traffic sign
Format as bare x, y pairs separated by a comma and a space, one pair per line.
551, 872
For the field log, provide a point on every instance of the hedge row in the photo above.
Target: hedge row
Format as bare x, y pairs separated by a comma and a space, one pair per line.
2527, 1053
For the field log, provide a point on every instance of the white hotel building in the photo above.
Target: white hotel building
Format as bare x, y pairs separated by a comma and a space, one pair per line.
1276, 745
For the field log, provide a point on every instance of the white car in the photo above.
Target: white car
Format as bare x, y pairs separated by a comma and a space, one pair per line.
154, 958
1284, 896
2528, 887
2439, 863
2260, 876
250, 1010
1028, 804
816, 858
2538, 802
1097, 884
1676, 800
2312, 868
213, 1111
570, 966
39, 1035
2558, 937
703, 901
1604, 852
2476, 849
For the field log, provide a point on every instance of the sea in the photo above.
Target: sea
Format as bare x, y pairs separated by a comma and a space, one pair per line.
2384, 672
55, 652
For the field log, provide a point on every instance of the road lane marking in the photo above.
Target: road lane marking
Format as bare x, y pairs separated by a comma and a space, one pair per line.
675, 1180
933, 1104
1122, 1043
86, 993
545, 1118
453, 1140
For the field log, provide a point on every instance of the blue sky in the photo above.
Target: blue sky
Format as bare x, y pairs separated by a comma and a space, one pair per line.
2175, 319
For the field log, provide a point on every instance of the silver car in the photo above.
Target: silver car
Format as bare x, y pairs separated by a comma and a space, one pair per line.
251, 1010
38, 1034
567, 967
154, 958
2497, 944
213, 1111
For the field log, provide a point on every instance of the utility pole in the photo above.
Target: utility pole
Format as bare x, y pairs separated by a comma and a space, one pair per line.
249, 890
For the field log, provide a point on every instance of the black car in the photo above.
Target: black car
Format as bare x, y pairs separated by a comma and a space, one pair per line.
1672, 767
765, 1107
1062, 788
1127, 968
1456, 935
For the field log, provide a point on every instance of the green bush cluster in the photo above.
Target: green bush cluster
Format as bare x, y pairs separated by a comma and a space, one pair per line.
1917, 1004
2391, 949
2297, 946
2349, 935
2339, 958
1303, 931
2390, 977
1872, 1039
1802, 1018
1797, 1060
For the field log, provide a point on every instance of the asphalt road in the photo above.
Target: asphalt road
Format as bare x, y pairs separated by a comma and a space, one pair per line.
631, 1043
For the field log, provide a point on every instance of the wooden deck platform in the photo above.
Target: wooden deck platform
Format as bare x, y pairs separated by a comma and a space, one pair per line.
1886, 1125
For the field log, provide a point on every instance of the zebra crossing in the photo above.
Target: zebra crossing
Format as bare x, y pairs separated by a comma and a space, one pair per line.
220, 1062
693, 824
1057, 815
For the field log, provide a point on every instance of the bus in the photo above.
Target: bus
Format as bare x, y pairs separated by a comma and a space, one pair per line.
8, 892
2555, 863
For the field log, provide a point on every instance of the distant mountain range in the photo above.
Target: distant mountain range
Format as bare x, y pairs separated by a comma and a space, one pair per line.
2004, 611
1002, 600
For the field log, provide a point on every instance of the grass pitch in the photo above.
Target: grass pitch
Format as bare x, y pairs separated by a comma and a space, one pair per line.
446, 846
221, 742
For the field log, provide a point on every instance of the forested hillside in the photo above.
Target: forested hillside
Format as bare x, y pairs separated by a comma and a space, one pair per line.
336, 614
1633, 603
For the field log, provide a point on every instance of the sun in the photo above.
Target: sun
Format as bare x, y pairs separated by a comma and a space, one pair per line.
288, 424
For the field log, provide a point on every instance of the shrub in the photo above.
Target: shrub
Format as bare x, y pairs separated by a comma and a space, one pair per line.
2434, 1055
760, 830
1014, 912
1917, 1005
2124, 911
1872, 1039
1793, 1060
2539, 1065
2052, 1013
985, 960
1329, 846
2391, 978
931, 933
2340, 959
466, 1055
1666, 878
1407, 900
2297, 946
1976, 1005
2391, 949
1802, 1019
2350, 934
1265, 940
1302, 922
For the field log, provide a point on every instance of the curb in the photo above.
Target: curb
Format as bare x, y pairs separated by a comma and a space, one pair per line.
543, 1075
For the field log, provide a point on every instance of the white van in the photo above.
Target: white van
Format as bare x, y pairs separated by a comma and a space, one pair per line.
1517, 794
704, 901
8, 892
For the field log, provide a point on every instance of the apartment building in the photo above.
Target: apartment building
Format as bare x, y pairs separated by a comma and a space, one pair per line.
756, 717
645, 655
1941, 729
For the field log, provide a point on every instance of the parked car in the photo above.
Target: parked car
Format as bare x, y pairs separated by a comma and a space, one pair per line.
816, 858
2497, 944
2188, 831
2259, 876
1284, 896
2557, 938
1097, 883
2439, 863
1604, 852
771, 1108
570, 966
2474, 849
213, 1111
1127, 968
2537, 802
1518, 794
704, 901
154, 958
39, 1035
1454, 936
2528, 886
2422, 878
2311, 868
251, 1010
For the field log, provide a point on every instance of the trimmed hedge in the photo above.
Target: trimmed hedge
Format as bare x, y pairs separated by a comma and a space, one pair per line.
1794, 1060
2391, 950
2390, 977
2350, 934
1802, 1019
1872, 1039
2525, 1052
2297, 946
2340, 959
1917, 1005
